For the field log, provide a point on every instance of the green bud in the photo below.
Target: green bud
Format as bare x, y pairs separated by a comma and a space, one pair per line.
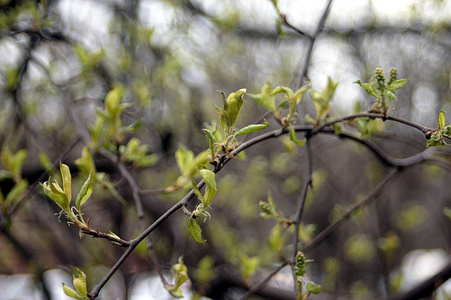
80, 284
380, 78
393, 75
233, 107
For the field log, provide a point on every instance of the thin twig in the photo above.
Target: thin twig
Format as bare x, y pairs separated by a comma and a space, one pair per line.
311, 43
300, 210
334, 226
257, 287
190, 195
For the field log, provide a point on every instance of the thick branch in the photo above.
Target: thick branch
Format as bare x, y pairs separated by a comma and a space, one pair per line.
427, 287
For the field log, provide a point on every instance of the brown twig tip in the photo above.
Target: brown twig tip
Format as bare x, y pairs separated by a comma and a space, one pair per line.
188, 212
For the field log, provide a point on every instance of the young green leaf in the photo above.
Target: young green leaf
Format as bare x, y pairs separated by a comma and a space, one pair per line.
391, 96
18, 160
54, 192
112, 100
197, 191
312, 287
209, 177
180, 273
369, 89
397, 84
184, 158
252, 128
71, 293
86, 163
195, 231
275, 240
210, 136
265, 98
85, 193
210, 190
18, 189
322, 100
67, 180
80, 284
249, 266
295, 139
234, 103
442, 119
46, 163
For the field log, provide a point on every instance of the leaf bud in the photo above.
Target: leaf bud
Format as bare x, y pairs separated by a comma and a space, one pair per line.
380, 78
393, 75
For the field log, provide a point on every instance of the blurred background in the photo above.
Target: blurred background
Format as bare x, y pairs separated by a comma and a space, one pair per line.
172, 56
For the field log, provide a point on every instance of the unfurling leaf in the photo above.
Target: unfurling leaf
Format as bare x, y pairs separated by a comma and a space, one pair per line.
54, 191
80, 284
210, 136
441, 119
67, 181
112, 100
295, 139
369, 89
185, 158
265, 98
249, 266
312, 287
180, 273
70, 292
252, 128
322, 100
210, 190
85, 193
16, 191
195, 231
233, 107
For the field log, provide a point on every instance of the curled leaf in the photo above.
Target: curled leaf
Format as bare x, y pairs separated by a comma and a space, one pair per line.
252, 128
80, 284
295, 139
312, 287
441, 119
85, 193
369, 89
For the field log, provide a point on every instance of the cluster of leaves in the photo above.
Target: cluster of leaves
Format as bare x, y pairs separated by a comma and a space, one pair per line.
109, 133
382, 88
180, 273
30, 11
88, 60
270, 211
188, 165
80, 285
12, 170
108, 130
266, 98
321, 100
201, 209
88, 168
300, 269
62, 196
438, 136
222, 142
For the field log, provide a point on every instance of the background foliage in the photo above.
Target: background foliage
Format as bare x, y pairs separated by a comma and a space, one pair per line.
139, 78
